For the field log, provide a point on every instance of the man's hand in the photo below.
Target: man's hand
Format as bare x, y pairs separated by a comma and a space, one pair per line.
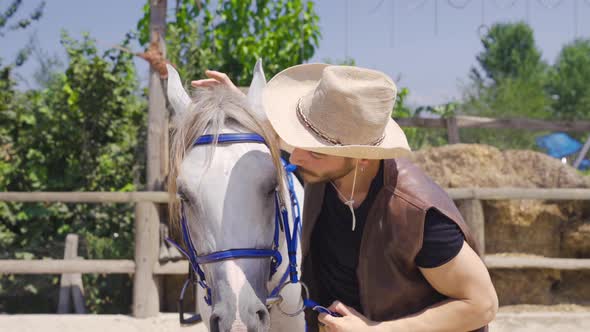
351, 320
215, 78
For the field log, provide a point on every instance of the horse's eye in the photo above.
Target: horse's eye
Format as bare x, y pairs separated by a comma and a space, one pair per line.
273, 189
181, 196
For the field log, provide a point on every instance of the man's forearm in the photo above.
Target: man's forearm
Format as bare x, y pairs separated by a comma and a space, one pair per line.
450, 315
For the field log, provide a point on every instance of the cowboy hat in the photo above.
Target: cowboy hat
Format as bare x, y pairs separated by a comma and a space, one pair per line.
336, 110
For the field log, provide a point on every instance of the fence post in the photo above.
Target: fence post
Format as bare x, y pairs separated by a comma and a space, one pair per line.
64, 303
452, 130
146, 299
472, 212
78, 292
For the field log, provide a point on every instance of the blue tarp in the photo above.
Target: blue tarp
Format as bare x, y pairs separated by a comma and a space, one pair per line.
559, 145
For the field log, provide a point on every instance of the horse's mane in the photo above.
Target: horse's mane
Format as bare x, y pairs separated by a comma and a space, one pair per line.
211, 109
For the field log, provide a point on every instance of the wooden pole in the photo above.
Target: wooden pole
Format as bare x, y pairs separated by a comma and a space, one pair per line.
146, 299
472, 212
157, 138
452, 130
78, 292
64, 304
582, 153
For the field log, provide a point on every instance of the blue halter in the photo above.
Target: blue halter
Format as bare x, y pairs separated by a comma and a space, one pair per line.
281, 224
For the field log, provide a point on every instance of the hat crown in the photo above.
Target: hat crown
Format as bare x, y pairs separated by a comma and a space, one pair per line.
350, 105
336, 110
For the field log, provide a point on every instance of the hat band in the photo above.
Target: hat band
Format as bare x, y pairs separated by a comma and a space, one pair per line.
322, 135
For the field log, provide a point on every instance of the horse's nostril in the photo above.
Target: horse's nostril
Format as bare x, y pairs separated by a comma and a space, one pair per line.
263, 317
214, 323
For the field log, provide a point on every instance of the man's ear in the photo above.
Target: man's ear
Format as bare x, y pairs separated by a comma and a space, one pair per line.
363, 164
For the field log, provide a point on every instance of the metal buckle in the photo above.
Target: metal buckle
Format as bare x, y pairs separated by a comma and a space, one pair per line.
270, 301
278, 300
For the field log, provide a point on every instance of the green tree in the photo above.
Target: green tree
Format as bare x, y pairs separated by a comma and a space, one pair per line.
510, 84
509, 52
513, 77
570, 81
84, 132
419, 138
232, 35
7, 83
9, 14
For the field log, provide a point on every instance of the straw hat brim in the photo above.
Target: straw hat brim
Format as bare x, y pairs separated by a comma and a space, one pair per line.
280, 98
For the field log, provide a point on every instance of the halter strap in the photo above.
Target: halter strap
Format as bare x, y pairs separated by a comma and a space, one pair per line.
237, 253
229, 138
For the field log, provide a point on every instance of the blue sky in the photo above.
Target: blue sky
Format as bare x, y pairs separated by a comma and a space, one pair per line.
427, 46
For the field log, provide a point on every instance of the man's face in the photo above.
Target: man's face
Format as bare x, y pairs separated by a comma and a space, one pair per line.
316, 167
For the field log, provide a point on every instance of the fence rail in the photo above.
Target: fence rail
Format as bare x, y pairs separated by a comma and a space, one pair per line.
464, 121
536, 262
164, 197
59, 266
122, 266
86, 197
519, 193
453, 123
145, 265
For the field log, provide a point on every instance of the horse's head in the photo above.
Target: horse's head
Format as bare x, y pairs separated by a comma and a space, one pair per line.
227, 195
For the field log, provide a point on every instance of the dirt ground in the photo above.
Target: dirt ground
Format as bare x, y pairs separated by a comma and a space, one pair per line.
511, 318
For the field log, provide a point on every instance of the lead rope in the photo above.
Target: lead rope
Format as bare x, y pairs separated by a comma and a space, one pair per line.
349, 202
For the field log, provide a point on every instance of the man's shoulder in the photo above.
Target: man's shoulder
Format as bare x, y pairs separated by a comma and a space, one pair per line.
408, 181
402, 174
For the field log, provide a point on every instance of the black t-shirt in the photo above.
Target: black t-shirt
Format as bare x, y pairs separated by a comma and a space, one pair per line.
335, 247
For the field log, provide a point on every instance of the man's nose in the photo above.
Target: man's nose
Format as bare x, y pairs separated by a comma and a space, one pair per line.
298, 157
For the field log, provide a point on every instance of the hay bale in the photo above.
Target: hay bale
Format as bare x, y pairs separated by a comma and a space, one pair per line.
576, 240
526, 226
546, 228
468, 165
478, 165
523, 226
524, 286
543, 171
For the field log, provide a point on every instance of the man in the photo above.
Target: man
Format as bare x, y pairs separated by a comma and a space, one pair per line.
383, 245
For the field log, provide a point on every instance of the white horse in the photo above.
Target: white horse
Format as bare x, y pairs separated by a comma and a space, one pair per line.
228, 198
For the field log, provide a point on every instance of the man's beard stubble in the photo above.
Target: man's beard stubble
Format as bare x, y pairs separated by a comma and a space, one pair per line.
312, 177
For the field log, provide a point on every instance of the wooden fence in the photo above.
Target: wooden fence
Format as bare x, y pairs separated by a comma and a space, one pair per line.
454, 123
146, 268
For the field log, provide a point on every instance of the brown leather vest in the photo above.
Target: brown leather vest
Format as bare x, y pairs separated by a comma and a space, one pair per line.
390, 284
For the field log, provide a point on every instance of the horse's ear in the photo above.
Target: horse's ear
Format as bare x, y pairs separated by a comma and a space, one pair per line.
256, 87
177, 96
